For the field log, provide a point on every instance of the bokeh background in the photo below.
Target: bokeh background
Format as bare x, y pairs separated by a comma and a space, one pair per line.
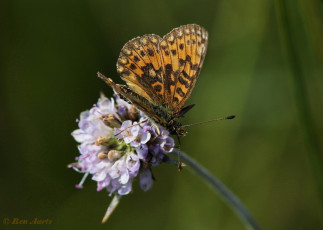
264, 64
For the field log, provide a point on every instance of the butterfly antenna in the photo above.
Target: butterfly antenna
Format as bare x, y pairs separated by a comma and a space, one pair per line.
179, 163
217, 119
131, 126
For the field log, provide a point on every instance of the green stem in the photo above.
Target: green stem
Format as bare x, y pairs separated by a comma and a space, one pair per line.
218, 187
300, 93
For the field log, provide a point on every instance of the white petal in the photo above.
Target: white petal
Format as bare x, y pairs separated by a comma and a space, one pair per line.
99, 176
125, 189
80, 136
145, 137
124, 177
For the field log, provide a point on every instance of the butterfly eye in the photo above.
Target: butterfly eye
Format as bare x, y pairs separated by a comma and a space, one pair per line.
181, 132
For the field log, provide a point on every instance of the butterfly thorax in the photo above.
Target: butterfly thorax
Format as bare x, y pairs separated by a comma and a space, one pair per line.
166, 119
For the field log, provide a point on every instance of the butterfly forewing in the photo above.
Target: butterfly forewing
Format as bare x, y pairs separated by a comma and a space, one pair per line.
186, 46
194, 65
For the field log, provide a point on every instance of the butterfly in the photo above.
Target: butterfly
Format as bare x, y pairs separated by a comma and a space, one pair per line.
160, 73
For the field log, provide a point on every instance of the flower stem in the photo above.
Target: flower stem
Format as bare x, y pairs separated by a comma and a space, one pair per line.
218, 187
306, 118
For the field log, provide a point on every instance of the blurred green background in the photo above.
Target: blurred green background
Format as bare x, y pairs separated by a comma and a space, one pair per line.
264, 64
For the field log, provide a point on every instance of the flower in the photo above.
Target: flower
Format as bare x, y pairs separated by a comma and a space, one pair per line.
117, 144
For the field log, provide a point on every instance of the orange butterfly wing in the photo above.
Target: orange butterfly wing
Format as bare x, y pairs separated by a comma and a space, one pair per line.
140, 67
161, 73
183, 51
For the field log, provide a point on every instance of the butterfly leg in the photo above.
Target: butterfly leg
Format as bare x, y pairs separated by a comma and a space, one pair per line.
157, 128
179, 163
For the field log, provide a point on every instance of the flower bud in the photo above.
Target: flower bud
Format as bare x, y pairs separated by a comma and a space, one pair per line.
115, 154
101, 140
111, 120
102, 156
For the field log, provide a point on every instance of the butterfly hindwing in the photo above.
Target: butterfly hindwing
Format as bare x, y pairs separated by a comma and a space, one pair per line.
139, 65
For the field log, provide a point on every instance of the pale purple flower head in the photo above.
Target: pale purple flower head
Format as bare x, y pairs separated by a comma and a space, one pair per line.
117, 144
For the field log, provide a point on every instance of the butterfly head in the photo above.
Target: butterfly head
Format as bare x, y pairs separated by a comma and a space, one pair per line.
176, 128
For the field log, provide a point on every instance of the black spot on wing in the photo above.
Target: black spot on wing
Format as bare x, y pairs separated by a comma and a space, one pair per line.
132, 66
136, 58
181, 62
168, 71
183, 82
157, 88
150, 52
180, 92
185, 75
194, 67
172, 42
